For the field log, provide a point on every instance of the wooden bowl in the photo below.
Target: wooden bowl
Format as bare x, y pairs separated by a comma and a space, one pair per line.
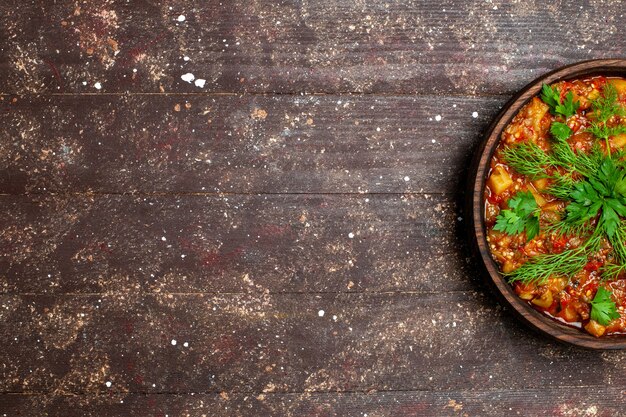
475, 207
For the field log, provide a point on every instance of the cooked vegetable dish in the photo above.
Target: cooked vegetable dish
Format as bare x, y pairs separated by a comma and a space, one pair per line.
555, 204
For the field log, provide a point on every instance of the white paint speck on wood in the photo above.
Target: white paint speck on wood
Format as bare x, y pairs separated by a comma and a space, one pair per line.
189, 77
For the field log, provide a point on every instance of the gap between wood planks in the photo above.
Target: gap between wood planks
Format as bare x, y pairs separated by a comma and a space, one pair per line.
285, 393
259, 93
216, 293
214, 194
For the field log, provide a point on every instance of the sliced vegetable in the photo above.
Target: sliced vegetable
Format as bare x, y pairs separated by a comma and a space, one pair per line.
500, 180
544, 301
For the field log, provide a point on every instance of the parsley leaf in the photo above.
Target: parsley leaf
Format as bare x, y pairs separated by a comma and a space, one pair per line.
552, 97
603, 309
523, 215
620, 186
560, 131
585, 205
603, 194
569, 107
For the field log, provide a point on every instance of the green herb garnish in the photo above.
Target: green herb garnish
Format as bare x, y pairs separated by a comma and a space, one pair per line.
592, 184
528, 159
607, 105
602, 194
604, 109
603, 309
552, 97
560, 131
522, 216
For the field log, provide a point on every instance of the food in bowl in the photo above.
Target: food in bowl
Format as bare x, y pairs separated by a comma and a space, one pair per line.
555, 203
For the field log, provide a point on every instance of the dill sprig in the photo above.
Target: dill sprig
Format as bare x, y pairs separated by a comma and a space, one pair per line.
567, 263
607, 105
618, 241
604, 109
540, 268
576, 161
612, 271
562, 185
617, 266
528, 158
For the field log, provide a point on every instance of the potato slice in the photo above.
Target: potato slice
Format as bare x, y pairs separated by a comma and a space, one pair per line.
526, 295
620, 86
538, 197
553, 206
536, 110
544, 301
618, 141
593, 94
508, 266
595, 328
499, 180
569, 314
541, 184
557, 284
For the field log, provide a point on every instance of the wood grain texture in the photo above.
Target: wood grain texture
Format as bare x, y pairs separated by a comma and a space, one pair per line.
260, 343
237, 243
309, 173
354, 144
566, 401
298, 46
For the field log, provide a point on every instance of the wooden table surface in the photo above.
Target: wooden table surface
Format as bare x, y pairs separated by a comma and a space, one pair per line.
252, 208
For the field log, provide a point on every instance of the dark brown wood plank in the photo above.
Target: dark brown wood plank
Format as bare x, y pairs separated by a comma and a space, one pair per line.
246, 144
550, 401
202, 247
282, 343
237, 243
292, 46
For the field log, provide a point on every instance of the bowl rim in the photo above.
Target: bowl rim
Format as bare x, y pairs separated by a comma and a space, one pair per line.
477, 182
